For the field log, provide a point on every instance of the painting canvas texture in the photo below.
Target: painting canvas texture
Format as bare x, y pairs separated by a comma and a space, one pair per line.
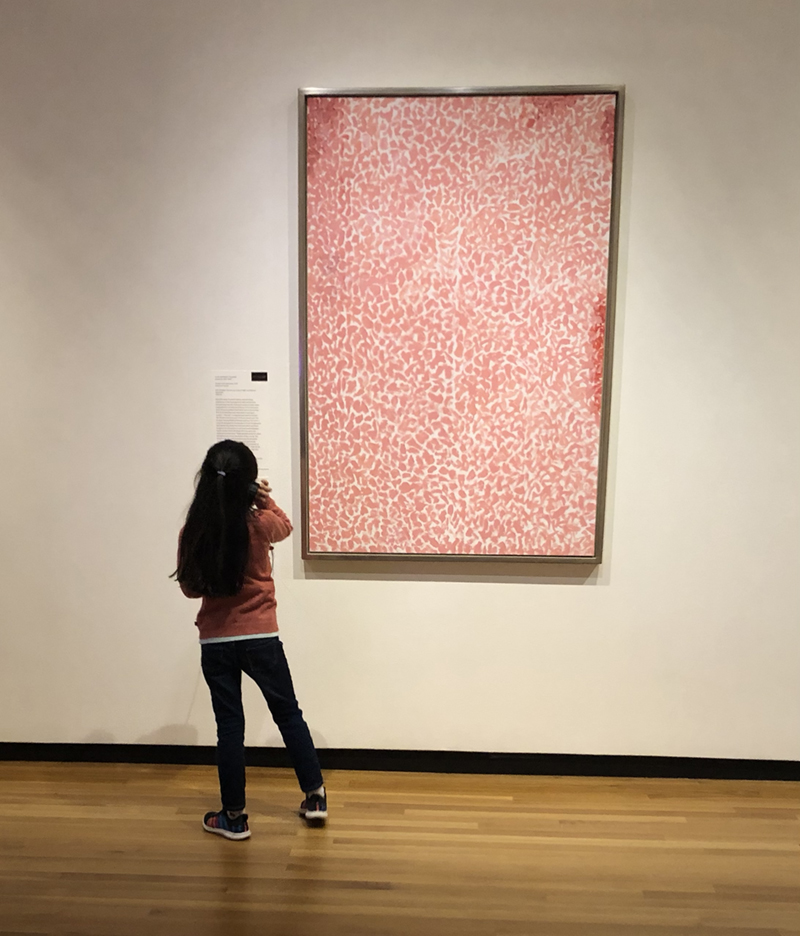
457, 258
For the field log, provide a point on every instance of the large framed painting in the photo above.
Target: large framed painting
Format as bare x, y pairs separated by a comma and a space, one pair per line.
457, 273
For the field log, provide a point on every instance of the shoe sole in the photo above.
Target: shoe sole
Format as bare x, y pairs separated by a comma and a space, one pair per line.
321, 814
233, 836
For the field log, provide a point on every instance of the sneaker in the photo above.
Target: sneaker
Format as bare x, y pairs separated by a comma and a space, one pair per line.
315, 806
222, 824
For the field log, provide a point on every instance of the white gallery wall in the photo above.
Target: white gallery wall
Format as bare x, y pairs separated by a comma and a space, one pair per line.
148, 236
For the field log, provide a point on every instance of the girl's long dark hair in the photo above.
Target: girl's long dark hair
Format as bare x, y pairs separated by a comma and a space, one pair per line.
215, 544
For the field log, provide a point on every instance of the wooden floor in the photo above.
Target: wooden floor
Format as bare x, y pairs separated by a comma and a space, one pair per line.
115, 850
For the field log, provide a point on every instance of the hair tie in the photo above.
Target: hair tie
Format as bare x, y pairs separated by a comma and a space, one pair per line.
221, 473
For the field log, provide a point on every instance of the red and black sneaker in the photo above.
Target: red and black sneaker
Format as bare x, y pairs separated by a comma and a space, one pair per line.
221, 824
315, 806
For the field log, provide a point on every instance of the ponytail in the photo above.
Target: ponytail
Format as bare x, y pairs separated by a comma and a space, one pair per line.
215, 543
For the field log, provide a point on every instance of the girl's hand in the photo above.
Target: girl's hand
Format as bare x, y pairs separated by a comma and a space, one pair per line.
262, 497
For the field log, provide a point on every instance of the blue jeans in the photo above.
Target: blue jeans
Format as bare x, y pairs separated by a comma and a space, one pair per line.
264, 662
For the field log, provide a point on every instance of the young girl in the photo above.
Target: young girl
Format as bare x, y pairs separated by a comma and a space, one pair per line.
224, 558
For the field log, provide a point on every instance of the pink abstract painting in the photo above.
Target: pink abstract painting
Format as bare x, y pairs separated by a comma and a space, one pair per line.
457, 264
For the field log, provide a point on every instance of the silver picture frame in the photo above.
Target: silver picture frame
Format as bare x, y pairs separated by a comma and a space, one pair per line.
304, 95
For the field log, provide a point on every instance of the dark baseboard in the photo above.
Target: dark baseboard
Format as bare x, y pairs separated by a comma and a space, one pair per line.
468, 762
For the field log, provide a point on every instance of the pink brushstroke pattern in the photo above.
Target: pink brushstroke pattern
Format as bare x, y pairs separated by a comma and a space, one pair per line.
457, 263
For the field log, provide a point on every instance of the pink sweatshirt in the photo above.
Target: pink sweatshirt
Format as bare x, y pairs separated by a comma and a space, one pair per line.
251, 610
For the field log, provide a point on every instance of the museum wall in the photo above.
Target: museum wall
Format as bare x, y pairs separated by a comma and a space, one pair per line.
148, 236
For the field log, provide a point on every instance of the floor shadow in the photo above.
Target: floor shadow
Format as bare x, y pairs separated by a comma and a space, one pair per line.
99, 736
171, 734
